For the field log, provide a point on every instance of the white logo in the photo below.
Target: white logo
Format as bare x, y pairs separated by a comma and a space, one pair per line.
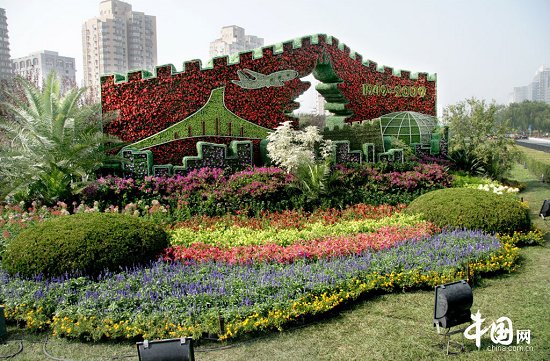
502, 331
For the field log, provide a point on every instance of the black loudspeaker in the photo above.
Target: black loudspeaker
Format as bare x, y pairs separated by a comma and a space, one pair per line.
545, 210
452, 304
175, 349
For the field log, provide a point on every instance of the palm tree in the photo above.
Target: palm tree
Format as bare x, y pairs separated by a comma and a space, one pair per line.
51, 143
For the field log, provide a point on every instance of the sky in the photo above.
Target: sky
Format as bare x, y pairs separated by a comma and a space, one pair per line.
477, 48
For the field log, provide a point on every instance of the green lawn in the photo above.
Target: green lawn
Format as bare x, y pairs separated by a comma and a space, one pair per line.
381, 327
535, 154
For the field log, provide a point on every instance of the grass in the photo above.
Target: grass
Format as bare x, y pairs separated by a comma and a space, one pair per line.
535, 154
537, 162
385, 326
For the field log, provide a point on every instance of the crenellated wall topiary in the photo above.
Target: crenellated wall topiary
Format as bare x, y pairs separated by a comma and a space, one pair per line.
243, 96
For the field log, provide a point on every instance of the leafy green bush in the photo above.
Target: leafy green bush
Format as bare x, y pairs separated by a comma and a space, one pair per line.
56, 143
479, 143
88, 243
472, 209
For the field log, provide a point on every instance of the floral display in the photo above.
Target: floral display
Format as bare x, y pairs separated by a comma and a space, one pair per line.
202, 191
215, 192
175, 299
533, 237
291, 219
378, 185
289, 148
232, 236
147, 106
14, 218
327, 247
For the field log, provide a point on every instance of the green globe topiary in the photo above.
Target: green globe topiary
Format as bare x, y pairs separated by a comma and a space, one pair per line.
87, 243
472, 209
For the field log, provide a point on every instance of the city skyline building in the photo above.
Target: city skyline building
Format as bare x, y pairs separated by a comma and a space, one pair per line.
233, 40
537, 90
36, 67
117, 41
5, 62
320, 105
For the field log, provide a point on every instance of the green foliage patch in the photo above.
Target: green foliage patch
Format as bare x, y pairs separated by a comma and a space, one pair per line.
537, 162
358, 134
55, 143
472, 209
88, 243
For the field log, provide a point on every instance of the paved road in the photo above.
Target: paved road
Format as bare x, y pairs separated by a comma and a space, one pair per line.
542, 144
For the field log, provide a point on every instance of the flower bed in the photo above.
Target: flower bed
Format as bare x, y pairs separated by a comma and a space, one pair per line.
328, 247
213, 192
289, 219
171, 299
204, 191
233, 236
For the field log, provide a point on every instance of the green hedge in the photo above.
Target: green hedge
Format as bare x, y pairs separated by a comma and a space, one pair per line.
358, 134
87, 243
472, 209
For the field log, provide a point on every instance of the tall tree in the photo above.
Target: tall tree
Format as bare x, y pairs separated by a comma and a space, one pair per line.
52, 144
478, 142
522, 115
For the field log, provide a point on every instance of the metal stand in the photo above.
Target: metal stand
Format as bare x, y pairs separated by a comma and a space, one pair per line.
447, 333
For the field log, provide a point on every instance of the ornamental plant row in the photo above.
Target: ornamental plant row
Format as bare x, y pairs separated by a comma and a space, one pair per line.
233, 236
206, 185
383, 237
173, 299
290, 218
213, 192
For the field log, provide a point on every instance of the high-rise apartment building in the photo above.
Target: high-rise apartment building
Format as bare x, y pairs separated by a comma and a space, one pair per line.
38, 65
117, 41
233, 40
5, 63
537, 90
320, 105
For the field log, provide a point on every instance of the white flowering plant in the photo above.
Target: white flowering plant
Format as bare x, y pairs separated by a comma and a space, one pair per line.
289, 148
497, 188
303, 153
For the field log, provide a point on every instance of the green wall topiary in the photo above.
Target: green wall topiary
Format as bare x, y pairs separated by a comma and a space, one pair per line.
358, 134
472, 209
88, 243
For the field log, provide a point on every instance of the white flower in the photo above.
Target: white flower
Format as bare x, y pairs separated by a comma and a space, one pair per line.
497, 188
289, 148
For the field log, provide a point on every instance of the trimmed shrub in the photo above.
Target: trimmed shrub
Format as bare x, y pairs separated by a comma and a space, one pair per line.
472, 209
87, 244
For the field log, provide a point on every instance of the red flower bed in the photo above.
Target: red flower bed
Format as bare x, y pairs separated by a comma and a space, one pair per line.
328, 247
292, 219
